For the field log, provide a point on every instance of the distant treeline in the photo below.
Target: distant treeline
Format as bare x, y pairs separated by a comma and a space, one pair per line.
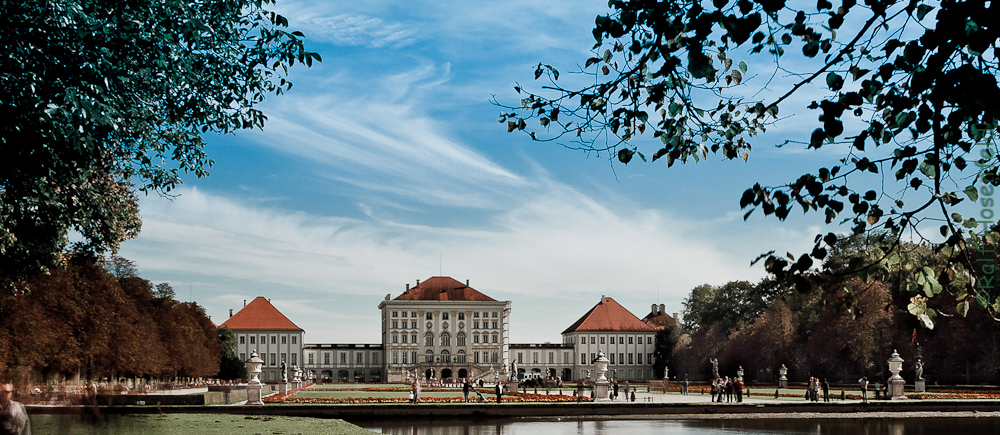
99, 319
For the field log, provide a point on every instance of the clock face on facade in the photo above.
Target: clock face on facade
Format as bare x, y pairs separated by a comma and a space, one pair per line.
430, 325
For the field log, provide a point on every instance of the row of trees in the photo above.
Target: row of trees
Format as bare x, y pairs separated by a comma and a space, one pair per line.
97, 320
842, 335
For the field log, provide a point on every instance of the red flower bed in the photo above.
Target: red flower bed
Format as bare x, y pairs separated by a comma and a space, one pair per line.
509, 398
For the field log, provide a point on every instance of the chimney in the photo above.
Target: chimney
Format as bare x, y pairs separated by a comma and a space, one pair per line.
466, 283
602, 299
244, 303
653, 309
418, 283
407, 287
230, 312
663, 309
675, 317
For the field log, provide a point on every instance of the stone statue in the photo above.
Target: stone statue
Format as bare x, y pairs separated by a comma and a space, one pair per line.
666, 373
284, 372
600, 354
715, 367
920, 369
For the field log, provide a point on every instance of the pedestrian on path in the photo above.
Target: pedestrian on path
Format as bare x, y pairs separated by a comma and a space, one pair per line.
864, 388
499, 392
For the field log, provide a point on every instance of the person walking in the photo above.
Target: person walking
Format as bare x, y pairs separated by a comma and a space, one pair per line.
826, 390
465, 391
739, 390
687, 384
615, 389
13, 417
499, 391
715, 388
730, 387
864, 388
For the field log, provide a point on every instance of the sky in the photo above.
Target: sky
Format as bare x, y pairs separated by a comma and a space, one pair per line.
385, 165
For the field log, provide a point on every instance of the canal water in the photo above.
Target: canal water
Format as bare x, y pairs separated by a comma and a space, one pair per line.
780, 426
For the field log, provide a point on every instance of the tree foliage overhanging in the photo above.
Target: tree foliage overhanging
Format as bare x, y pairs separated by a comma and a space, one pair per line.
99, 98
907, 90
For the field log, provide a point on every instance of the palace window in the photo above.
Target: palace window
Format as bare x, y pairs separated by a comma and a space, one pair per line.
461, 316
295, 340
475, 338
274, 339
475, 324
242, 339
445, 356
638, 358
649, 340
404, 338
295, 359
395, 338
621, 358
494, 324
414, 338
404, 353
630, 340
360, 358
475, 315
428, 339
460, 358
602, 340
583, 358
274, 359
429, 356
253, 339
413, 325
395, 357
630, 358
494, 314
534, 357
429, 316
395, 314
495, 336
446, 339
611, 356
461, 339
343, 358
405, 313
243, 356
520, 358
326, 358
444, 316
591, 340
583, 340
395, 324
312, 359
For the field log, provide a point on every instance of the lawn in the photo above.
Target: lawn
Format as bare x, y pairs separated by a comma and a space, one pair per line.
208, 424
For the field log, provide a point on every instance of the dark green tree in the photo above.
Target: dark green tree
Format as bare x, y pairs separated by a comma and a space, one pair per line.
663, 349
230, 366
906, 90
99, 98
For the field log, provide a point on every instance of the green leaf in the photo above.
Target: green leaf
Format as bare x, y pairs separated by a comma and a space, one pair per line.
972, 193
963, 308
922, 11
743, 66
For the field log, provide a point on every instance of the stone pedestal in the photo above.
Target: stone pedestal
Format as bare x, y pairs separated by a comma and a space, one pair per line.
283, 387
253, 394
920, 386
783, 381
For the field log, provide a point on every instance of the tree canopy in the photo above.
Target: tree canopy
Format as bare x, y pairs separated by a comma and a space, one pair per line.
904, 90
99, 98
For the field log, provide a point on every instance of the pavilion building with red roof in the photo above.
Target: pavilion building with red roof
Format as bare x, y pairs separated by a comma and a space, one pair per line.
627, 341
260, 327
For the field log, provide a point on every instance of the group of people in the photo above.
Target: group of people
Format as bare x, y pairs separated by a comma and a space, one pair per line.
725, 388
814, 387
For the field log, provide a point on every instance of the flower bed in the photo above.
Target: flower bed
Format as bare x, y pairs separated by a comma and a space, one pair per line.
507, 398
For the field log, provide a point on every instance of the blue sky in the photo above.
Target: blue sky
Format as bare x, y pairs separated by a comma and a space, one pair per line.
385, 164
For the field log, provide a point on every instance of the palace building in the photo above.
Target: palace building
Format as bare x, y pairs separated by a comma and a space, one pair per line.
443, 329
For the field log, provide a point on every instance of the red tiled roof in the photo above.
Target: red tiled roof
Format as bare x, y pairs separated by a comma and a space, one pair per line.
443, 288
659, 320
608, 315
260, 315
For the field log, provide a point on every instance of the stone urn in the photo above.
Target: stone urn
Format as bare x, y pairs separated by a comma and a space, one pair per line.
254, 385
782, 379
602, 384
896, 382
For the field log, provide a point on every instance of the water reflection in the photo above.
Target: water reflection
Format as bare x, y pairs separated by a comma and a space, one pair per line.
782, 426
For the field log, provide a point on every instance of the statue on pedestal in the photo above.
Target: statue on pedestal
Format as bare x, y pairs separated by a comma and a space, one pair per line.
284, 372
920, 369
715, 368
